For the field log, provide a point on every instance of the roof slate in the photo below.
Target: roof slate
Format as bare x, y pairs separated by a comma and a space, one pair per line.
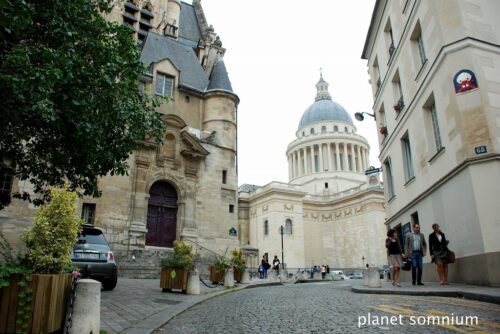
189, 30
219, 80
157, 48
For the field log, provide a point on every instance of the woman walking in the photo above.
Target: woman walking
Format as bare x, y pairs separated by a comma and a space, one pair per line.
439, 253
394, 256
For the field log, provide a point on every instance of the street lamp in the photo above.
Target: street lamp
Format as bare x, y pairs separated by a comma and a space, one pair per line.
359, 115
282, 230
363, 258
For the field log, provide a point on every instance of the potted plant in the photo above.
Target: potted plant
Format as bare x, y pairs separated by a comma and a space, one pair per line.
238, 264
44, 289
174, 269
383, 130
15, 292
218, 269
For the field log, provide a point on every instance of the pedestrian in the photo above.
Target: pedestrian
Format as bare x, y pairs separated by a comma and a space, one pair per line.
276, 264
323, 272
394, 256
416, 247
439, 252
312, 272
327, 269
265, 266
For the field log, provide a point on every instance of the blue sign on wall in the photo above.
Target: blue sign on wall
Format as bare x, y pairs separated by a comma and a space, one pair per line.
480, 150
233, 232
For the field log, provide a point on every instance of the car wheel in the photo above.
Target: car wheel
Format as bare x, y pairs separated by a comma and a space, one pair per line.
110, 284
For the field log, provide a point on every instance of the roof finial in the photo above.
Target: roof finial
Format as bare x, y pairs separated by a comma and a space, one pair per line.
322, 88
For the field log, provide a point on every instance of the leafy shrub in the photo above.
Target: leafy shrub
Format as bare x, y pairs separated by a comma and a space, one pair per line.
237, 260
182, 258
220, 263
50, 240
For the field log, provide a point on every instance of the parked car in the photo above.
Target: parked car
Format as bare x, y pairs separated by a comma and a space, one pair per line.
93, 256
356, 276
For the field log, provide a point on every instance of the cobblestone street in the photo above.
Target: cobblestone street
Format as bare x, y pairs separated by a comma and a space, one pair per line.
333, 308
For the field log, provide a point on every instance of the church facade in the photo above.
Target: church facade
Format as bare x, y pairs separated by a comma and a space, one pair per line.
330, 212
186, 188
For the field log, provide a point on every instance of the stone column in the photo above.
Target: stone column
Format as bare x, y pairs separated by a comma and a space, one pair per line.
312, 159
329, 154
301, 161
358, 158
289, 167
337, 156
346, 157
293, 164
320, 157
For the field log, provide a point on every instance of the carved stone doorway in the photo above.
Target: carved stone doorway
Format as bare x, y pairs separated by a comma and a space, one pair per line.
162, 215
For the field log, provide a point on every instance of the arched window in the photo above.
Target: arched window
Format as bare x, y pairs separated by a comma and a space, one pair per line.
288, 226
335, 128
323, 129
312, 131
266, 227
346, 129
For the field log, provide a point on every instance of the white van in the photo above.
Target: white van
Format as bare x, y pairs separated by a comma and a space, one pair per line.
339, 273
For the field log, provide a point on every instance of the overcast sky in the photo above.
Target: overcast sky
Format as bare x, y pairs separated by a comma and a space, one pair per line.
274, 50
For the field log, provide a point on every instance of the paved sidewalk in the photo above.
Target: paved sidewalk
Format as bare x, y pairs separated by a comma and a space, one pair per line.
138, 306
473, 292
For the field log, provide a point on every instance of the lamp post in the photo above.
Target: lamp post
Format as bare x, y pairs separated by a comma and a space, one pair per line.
282, 230
363, 258
359, 115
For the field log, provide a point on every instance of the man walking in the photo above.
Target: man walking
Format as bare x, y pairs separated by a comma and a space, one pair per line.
415, 247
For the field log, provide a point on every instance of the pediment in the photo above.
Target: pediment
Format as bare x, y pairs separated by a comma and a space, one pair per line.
193, 148
174, 121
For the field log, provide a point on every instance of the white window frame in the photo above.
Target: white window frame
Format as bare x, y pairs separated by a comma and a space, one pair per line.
407, 157
435, 128
161, 86
390, 178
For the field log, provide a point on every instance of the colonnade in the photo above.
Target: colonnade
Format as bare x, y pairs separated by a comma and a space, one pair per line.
331, 157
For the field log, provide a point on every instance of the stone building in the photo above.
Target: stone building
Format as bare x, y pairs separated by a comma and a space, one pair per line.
435, 69
329, 211
187, 187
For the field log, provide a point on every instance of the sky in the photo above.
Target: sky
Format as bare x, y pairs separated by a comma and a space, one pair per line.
274, 52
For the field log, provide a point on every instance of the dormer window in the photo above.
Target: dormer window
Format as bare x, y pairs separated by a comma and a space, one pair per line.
164, 85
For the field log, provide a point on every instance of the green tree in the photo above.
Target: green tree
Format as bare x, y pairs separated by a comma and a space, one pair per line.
71, 109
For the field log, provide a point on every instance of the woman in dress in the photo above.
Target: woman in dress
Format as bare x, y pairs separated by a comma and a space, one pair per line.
439, 253
394, 256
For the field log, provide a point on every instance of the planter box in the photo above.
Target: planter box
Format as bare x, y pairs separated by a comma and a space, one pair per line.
173, 278
216, 275
50, 297
238, 275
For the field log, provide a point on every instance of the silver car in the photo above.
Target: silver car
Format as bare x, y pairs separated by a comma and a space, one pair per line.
93, 256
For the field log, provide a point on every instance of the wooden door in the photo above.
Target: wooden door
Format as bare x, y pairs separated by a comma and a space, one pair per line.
162, 215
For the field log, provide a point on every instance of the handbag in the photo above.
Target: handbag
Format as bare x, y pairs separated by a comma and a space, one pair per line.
406, 264
451, 256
